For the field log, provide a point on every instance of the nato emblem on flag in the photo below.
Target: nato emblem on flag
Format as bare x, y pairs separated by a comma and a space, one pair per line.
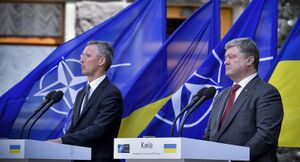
65, 76
123, 148
198, 80
258, 15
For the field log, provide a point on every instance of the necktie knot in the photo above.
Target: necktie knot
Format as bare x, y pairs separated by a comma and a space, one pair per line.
235, 87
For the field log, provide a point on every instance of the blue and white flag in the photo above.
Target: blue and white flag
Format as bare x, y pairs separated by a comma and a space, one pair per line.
182, 53
259, 16
135, 33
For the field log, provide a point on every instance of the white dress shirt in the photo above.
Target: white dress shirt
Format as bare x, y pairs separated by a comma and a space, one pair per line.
93, 85
243, 84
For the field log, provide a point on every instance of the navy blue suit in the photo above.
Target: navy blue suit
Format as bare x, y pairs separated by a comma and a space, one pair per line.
98, 123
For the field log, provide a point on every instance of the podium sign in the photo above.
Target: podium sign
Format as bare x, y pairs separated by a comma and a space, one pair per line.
174, 149
30, 150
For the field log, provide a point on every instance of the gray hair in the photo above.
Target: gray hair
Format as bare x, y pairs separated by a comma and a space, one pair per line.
104, 49
247, 46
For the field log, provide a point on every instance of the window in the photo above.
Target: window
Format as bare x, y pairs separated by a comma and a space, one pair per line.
32, 22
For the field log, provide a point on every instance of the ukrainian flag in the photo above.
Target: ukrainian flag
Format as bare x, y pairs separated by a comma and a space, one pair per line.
14, 149
285, 78
169, 148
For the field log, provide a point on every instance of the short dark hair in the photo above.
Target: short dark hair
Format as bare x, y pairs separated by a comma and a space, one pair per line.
247, 46
104, 49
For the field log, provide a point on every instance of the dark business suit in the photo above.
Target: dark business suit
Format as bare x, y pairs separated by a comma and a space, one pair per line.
98, 123
253, 121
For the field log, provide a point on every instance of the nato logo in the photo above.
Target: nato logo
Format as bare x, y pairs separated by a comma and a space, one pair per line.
185, 93
67, 77
123, 148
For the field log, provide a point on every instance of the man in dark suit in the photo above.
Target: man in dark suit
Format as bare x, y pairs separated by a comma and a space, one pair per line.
250, 112
98, 107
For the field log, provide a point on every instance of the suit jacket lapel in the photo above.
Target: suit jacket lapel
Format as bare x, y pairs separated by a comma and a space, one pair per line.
94, 96
238, 104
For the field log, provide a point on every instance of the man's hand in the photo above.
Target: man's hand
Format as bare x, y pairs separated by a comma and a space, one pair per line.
58, 140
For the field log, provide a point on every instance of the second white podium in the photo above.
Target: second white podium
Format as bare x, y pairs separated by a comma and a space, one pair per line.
177, 150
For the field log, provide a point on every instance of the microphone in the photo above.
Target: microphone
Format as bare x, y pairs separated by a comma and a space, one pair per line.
196, 98
47, 99
57, 96
208, 93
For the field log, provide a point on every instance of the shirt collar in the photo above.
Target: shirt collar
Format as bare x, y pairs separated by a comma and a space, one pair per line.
246, 80
94, 84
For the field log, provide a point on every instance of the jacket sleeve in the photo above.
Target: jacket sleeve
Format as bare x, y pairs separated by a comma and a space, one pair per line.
269, 116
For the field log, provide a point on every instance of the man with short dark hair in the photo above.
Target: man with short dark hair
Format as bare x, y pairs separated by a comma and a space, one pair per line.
98, 107
250, 112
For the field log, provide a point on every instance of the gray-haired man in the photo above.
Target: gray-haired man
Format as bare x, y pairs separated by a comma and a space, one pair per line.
98, 107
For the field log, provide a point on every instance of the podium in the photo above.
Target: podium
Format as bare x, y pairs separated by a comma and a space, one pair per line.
177, 150
19, 150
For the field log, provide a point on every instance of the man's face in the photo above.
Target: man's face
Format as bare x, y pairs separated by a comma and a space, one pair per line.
90, 61
235, 63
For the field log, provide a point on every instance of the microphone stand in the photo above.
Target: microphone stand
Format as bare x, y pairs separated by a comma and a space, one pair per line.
54, 99
199, 93
208, 93
34, 113
190, 112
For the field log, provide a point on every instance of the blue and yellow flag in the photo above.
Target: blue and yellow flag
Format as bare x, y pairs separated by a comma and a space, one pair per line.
257, 17
179, 57
285, 78
14, 149
170, 148
136, 33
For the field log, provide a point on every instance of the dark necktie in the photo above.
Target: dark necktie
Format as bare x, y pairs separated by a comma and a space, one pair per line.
230, 101
86, 97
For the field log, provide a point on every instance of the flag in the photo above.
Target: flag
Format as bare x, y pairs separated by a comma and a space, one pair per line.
135, 33
170, 148
212, 72
169, 68
285, 77
14, 149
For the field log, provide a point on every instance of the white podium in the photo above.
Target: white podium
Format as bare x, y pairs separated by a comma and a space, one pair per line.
177, 150
19, 150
